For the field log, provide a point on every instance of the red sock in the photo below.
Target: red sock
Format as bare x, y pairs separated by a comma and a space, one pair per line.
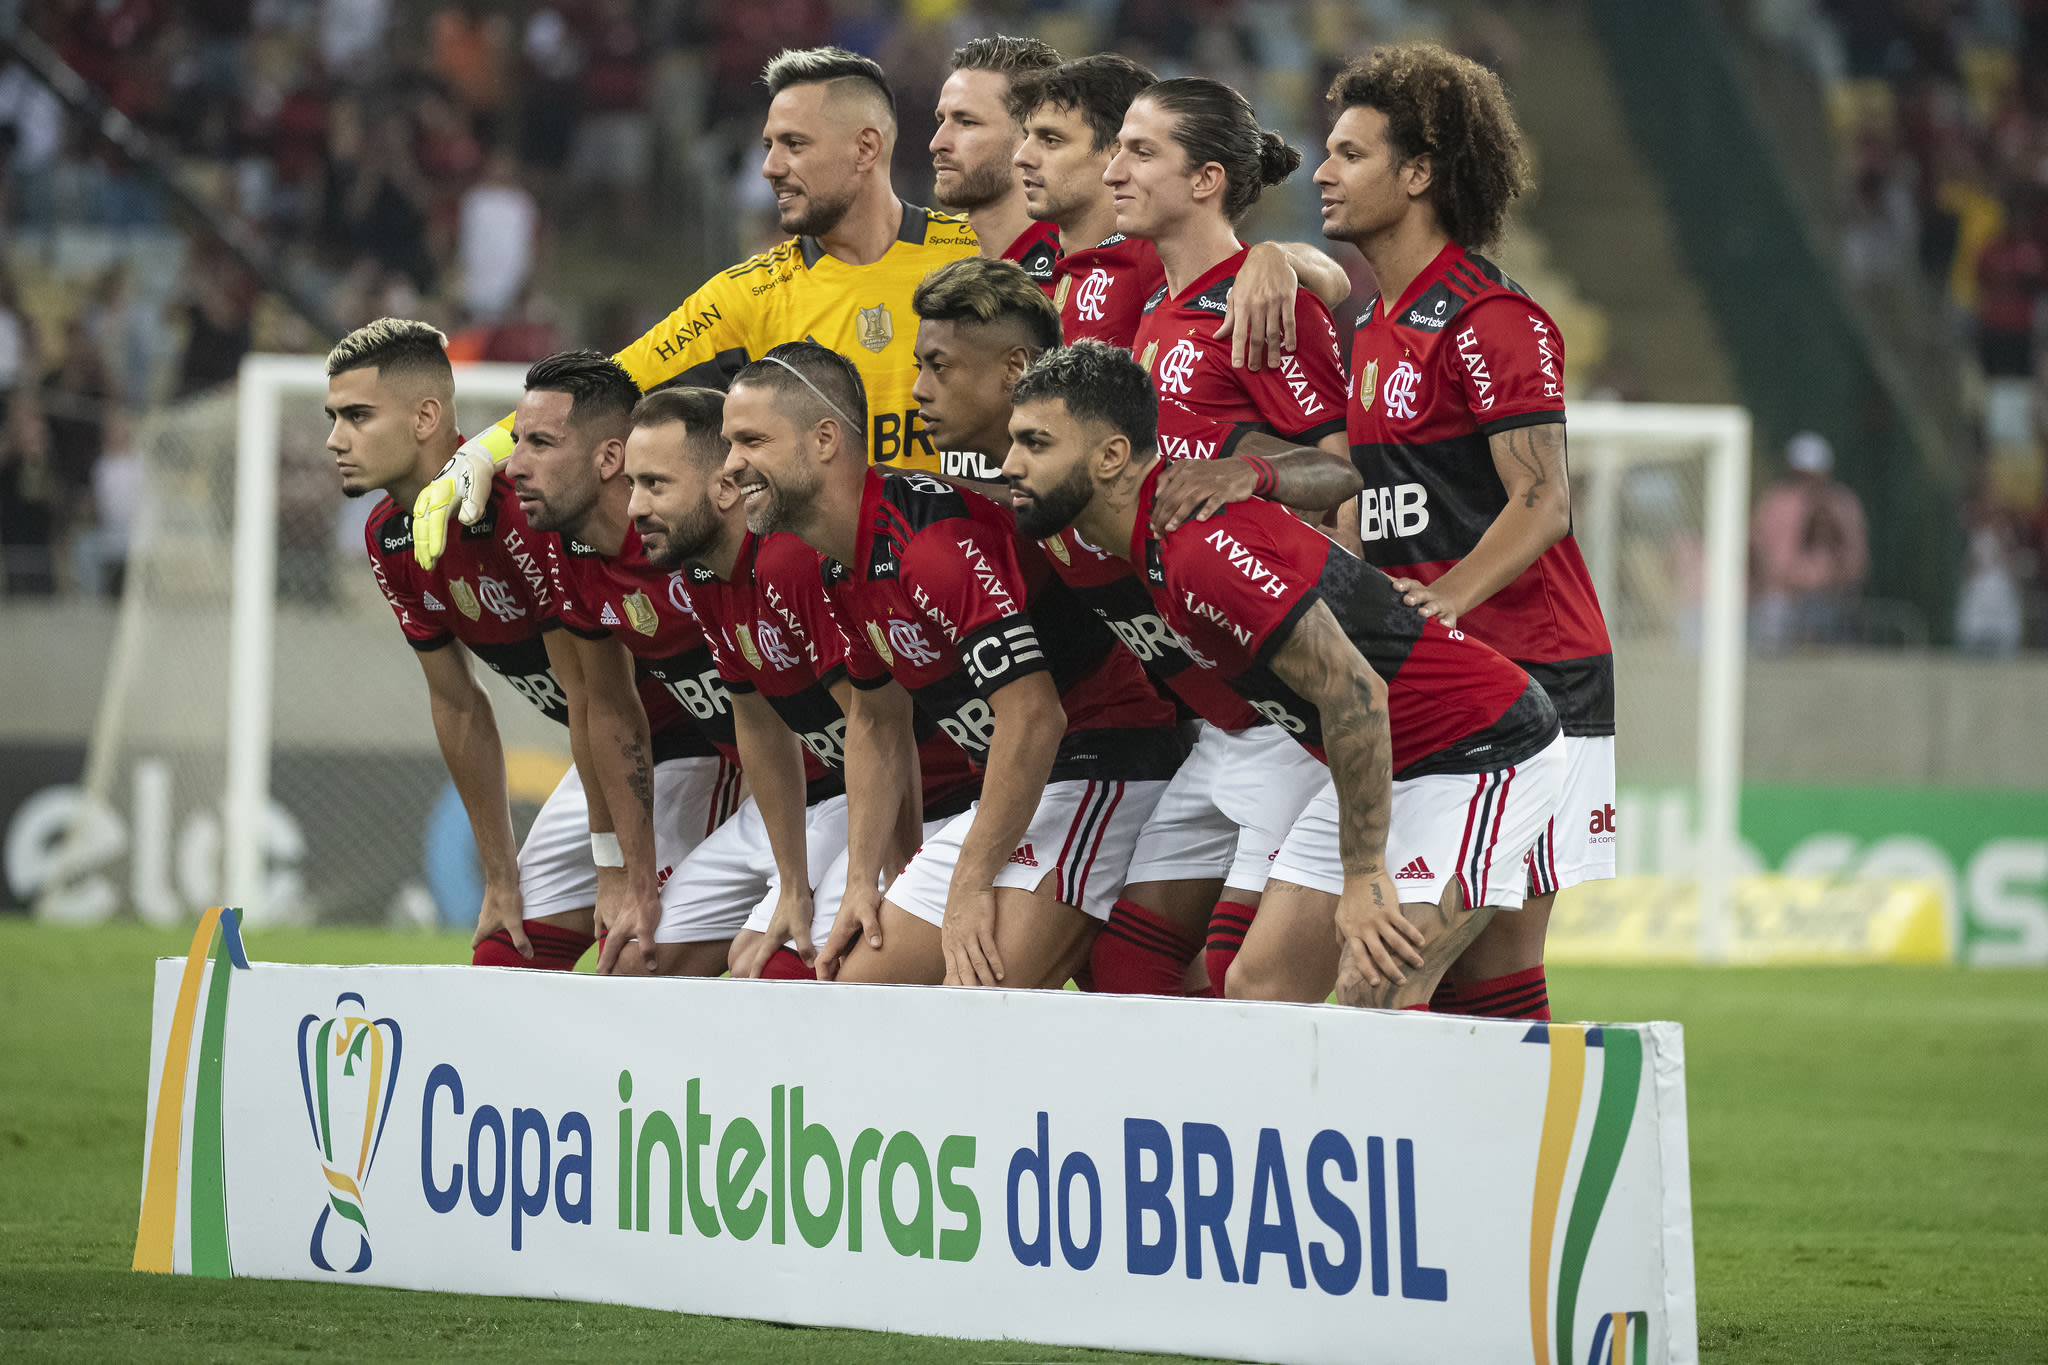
1444, 1000
1518, 995
784, 965
554, 949
1139, 953
1227, 926
1421, 1008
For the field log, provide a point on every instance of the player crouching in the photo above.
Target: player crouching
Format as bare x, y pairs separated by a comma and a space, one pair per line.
1443, 755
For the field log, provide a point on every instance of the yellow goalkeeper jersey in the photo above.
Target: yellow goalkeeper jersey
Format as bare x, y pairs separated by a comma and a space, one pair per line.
799, 292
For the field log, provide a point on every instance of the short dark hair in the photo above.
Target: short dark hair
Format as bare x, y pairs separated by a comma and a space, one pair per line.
1099, 88
1213, 122
826, 66
598, 386
1098, 383
393, 346
701, 411
1006, 56
977, 289
1455, 112
824, 380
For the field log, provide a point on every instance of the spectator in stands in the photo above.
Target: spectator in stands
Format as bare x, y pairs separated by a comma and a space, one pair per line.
99, 549
28, 500
76, 395
217, 310
2012, 271
471, 49
498, 231
614, 143
1810, 552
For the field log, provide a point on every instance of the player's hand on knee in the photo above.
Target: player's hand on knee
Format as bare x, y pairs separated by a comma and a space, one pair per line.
967, 936
860, 917
790, 924
463, 486
503, 909
1375, 934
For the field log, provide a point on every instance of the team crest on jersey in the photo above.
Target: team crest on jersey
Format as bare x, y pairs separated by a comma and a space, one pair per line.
1179, 366
1094, 293
875, 328
1372, 379
497, 596
465, 598
1401, 387
746, 639
640, 613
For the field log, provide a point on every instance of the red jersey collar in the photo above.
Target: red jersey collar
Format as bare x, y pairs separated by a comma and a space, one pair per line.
1037, 233
1222, 270
1429, 275
1141, 529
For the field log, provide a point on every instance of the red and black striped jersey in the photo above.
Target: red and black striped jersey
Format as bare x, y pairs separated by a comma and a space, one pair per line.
1107, 586
490, 589
1037, 249
948, 599
1464, 355
1300, 398
1101, 292
648, 610
1233, 587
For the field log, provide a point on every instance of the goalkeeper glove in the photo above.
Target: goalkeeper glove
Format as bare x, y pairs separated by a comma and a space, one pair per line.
463, 484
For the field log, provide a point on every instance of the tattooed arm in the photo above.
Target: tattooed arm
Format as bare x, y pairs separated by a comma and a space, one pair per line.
615, 761
1319, 661
1531, 464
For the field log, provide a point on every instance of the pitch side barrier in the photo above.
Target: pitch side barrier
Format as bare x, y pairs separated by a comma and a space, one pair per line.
1268, 1182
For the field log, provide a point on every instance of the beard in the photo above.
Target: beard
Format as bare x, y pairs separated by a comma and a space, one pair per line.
820, 215
687, 538
1054, 511
559, 514
979, 186
780, 507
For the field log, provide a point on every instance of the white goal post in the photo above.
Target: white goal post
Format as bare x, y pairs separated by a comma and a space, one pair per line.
267, 381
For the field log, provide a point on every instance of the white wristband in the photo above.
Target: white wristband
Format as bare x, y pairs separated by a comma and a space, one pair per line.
605, 850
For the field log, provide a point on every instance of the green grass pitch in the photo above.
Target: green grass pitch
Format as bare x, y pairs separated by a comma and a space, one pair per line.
1869, 1146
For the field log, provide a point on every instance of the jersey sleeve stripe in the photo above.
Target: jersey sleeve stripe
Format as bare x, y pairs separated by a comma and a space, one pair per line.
1537, 418
1283, 629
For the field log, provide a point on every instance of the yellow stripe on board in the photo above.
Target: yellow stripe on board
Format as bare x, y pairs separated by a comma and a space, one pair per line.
1619, 1353
370, 1110
157, 1230
1560, 1121
343, 1183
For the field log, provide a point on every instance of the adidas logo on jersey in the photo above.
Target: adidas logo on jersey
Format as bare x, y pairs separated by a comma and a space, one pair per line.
432, 602
1417, 870
607, 617
1023, 857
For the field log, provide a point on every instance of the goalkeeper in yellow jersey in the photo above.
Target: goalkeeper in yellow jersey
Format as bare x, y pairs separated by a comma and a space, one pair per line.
843, 280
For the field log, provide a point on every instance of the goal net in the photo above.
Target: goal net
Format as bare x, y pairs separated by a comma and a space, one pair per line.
268, 726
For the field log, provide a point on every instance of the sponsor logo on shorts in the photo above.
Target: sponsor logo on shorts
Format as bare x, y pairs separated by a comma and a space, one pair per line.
1024, 857
1417, 870
1601, 827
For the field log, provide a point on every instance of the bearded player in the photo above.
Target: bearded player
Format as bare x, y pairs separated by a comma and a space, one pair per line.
760, 604
1439, 750
1204, 853
946, 611
971, 150
1457, 424
654, 785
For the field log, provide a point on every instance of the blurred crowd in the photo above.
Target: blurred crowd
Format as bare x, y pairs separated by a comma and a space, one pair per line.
434, 161
1940, 108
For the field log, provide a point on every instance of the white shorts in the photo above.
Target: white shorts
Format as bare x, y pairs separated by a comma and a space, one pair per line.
1229, 808
1083, 831
825, 897
1475, 827
730, 879
1578, 845
692, 797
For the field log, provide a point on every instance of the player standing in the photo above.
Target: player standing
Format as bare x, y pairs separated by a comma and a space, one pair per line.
391, 400
760, 603
654, 786
1457, 424
978, 134
1438, 748
946, 609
